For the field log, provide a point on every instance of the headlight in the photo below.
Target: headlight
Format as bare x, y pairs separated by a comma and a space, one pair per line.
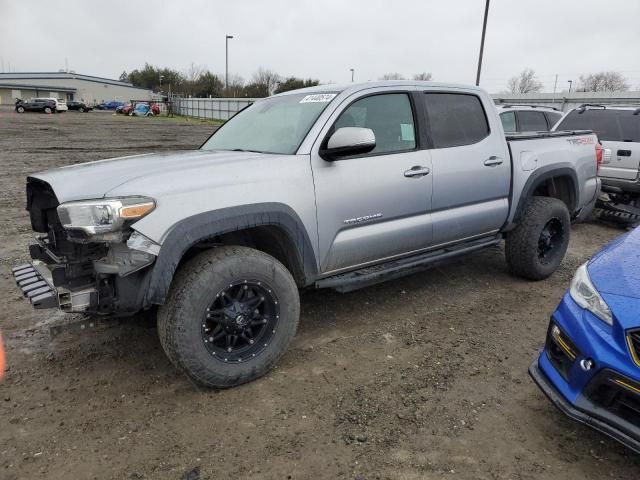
95, 217
585, 294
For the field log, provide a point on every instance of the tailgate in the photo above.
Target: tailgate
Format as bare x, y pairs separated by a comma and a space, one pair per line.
625, 160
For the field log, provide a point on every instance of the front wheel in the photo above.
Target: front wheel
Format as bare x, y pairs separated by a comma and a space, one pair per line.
20, 109
47, 110
536, 247
230, 315
81, 109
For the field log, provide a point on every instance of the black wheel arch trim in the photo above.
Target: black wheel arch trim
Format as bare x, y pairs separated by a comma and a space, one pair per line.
192, 230
537, 178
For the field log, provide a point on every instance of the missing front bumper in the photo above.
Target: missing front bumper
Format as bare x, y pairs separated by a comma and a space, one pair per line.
36, 286
35, 281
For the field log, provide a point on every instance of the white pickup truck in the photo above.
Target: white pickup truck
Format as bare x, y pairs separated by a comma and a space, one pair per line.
329, 187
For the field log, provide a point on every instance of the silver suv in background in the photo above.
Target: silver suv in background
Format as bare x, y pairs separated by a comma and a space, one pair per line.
618, 130
528, 118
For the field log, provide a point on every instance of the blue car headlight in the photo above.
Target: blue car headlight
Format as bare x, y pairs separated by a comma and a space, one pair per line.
585, 294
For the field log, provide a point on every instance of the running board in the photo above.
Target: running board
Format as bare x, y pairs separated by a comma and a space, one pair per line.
346, 282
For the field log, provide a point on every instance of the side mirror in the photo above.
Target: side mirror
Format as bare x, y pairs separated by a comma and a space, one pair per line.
348, 141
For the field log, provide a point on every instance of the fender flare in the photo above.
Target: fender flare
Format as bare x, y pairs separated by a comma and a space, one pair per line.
191, 230
540, 176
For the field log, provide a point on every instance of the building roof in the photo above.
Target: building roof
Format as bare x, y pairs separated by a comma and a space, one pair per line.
24, 86
64, 76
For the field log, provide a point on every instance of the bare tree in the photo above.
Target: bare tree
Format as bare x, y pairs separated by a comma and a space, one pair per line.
392, 76
265, 80
423, 76
526, 82
236, 86
603, 82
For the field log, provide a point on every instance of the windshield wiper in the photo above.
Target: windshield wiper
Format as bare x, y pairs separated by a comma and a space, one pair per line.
245, 150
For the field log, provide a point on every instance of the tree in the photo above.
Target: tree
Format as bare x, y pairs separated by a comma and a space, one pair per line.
603, 82
124, 76
422, 76
526, 82
235, 88
263, 83
293, 83
392, 76
208, 84
149, 77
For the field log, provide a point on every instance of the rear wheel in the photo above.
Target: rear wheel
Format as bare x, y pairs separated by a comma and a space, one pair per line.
537, 246
230, 315
81, 109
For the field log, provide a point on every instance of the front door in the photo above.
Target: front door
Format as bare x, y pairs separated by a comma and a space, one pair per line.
374, 206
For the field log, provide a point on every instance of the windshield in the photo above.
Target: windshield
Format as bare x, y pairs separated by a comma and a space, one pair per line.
272, 125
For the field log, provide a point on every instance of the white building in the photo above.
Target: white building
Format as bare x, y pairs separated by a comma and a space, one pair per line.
67, 85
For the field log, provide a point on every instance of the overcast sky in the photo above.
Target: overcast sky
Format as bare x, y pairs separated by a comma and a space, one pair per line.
323, 39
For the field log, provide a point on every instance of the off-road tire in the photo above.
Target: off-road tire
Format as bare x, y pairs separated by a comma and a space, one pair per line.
194, 285
522, 243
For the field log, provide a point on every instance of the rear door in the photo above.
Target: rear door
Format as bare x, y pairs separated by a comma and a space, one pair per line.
618, 130
471, 166
374, 206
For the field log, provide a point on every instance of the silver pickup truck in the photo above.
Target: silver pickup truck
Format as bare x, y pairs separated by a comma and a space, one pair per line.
329, 187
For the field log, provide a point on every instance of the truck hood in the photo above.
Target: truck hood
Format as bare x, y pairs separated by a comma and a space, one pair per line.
616, 268
96, 179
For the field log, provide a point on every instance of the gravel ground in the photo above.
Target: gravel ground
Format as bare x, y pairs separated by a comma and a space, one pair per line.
419, 378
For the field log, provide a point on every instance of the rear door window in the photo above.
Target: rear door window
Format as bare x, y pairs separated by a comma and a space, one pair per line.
456, 119
532, 122
508, 120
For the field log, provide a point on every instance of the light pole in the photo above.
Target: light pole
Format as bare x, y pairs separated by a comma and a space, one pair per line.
352, 70
226, 61
484, 31
160, 78
570, 83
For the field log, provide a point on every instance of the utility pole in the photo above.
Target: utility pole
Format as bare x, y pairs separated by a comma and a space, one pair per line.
226, 61
570, 83
555, 85
484, 31
352, 70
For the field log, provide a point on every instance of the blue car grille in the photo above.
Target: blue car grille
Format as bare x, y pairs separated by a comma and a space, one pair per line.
616, 394
633, 340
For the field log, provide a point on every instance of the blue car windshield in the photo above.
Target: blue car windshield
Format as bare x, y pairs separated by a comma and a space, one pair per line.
273, 125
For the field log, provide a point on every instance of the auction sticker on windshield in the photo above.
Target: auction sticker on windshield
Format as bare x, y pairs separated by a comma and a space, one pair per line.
318, 98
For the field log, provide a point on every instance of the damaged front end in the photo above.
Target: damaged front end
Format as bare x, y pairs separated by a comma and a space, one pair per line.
86, 257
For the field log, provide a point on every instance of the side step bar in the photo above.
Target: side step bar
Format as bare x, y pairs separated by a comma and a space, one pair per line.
365, 277
34, 286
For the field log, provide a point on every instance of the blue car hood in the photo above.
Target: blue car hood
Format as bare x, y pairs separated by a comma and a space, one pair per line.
616, 268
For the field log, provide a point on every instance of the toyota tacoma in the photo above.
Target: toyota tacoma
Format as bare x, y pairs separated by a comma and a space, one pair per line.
328, 187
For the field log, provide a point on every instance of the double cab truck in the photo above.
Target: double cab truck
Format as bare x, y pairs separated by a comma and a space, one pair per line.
327, 187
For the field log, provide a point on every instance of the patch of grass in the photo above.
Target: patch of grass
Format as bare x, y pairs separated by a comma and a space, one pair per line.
177, 119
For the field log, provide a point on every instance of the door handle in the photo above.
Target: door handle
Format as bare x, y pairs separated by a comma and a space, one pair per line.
493, 161
624, 153
417, 171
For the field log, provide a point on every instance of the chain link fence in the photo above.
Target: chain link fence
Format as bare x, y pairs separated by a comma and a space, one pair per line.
208, 108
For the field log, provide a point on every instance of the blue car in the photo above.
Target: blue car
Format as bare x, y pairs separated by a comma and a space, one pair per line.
109, 105
590, 365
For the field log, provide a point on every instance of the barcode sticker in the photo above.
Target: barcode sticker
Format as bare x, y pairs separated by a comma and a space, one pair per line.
318, 98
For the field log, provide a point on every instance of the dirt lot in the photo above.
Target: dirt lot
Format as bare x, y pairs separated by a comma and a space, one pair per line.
423, 377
